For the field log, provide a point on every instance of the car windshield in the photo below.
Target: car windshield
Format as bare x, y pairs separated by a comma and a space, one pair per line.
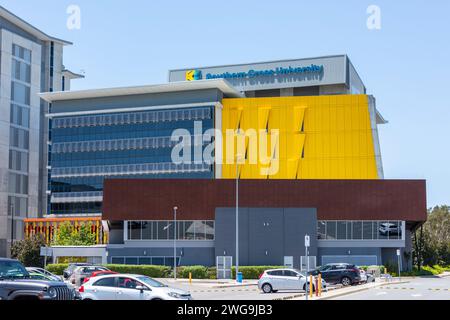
13, 269
151, 282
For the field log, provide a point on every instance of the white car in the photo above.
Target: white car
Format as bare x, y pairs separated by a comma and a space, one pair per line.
363, 276
129, 287
285, 279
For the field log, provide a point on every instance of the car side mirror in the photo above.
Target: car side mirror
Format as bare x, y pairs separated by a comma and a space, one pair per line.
140, 288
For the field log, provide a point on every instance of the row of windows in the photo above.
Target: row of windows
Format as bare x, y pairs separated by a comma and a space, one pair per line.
164, 230
22, 53
20, 115
19, 138
154, 261
359, 230
129, 169
18, 160
81, 184
76, 208
18, 183
133, 118
113, 145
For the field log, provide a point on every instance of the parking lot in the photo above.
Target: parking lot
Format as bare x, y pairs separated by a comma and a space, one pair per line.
423, 288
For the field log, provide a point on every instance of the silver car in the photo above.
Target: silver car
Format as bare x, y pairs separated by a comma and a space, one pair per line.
82, 272
285, 279
129, 287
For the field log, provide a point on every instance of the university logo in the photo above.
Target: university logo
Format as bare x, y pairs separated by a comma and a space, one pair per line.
193, 75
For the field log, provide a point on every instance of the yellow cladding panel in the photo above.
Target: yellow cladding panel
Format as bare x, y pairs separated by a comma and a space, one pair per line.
317, 137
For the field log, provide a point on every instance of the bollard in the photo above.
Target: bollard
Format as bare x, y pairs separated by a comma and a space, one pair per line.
317, 287
310, 286
320, 285
190, 277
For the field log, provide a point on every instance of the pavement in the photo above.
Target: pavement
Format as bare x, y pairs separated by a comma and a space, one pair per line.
406, 288
417, 288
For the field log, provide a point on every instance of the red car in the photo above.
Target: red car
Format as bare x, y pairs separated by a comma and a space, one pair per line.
99, 273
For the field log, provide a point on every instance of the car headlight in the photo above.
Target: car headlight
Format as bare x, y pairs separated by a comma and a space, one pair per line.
174, 295
52, 292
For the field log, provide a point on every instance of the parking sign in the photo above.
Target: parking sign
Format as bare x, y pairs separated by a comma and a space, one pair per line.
306, 241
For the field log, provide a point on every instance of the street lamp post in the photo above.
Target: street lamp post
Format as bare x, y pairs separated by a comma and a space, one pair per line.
175, 243
11, 207
237, 217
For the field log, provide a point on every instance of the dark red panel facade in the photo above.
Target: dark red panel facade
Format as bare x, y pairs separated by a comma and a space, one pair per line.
154, 199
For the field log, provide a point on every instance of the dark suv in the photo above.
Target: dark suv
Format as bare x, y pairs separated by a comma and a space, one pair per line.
15, 284
343, 273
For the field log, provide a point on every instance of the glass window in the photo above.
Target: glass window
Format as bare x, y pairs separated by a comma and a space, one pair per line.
331, 230
106, 282
131, 260
128, 283
134, 228
357, 230
20, 115
321, 231
117, 260
189, 230
21, 71
341, 230
158, 261
180, 230
146, 261
200, 230
20, 93
209, 230
289, 273
382, 230
367, 230
146, 230
163, 230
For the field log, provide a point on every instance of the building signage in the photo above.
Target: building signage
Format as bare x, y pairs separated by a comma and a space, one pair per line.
197, 74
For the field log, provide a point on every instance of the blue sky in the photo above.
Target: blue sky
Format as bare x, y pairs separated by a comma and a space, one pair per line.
405, 64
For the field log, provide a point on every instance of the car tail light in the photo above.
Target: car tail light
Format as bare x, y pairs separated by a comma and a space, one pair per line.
260, 276
81, 289
86, 280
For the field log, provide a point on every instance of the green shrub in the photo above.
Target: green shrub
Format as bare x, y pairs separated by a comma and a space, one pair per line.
146, 270
57, 268
211, 273
198, 272
253, 272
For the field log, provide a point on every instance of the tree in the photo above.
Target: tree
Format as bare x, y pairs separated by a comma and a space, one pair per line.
432, 240
68, 235
28, 251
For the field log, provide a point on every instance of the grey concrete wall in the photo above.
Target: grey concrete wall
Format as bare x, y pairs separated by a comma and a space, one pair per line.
189, 256
266, 235
355, 251
144, 100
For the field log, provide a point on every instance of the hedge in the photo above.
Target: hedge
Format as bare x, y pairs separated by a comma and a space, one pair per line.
198, 272
147, 270
252, 272
57, 268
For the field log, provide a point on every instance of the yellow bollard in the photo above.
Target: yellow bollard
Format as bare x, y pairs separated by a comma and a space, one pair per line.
310, 286
190, 277
320, 284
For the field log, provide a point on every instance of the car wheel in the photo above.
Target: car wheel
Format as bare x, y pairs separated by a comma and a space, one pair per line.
267, 288
345, 281
313, 288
